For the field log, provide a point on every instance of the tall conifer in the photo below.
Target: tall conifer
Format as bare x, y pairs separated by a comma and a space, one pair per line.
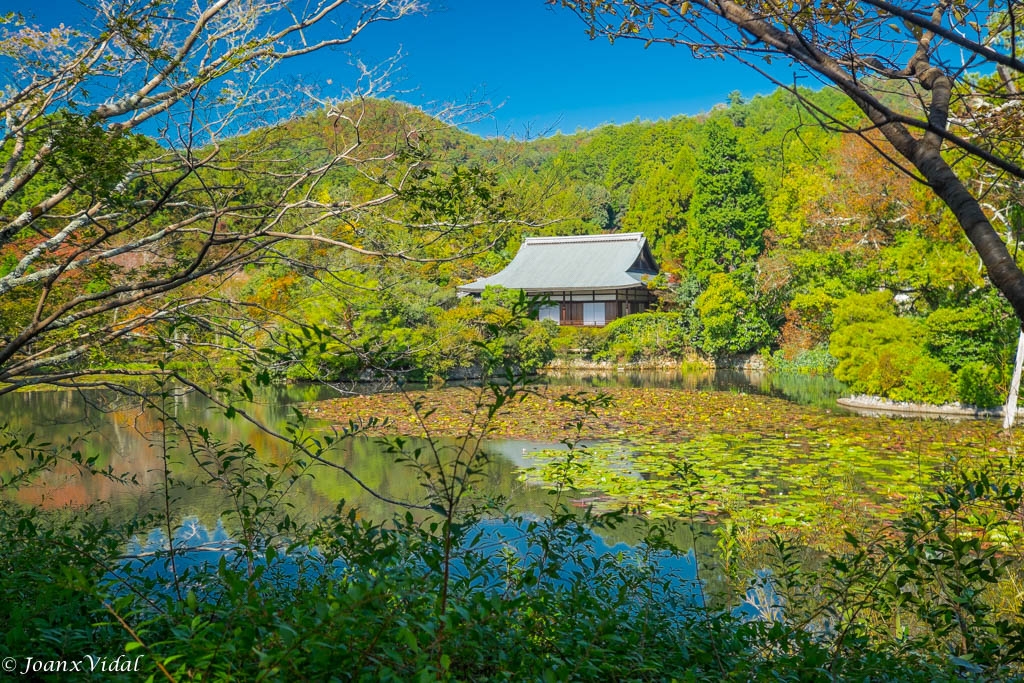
729, 214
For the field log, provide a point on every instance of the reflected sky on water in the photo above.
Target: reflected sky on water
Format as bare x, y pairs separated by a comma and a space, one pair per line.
121, 433
127, 437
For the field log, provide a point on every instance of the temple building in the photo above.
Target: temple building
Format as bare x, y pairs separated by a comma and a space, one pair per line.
588, 279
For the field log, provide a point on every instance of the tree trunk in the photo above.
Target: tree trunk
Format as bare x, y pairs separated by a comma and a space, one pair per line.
999, 263
1010, 412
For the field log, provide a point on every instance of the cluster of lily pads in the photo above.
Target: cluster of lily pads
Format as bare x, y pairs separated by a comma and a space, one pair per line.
755, 459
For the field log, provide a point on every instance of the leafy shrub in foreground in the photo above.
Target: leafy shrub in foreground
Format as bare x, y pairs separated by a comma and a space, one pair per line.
535, 600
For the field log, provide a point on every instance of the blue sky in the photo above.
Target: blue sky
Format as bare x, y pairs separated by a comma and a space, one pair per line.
535, 61
540, 64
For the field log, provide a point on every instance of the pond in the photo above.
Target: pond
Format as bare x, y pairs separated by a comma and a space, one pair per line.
749, 487
706, 447
121, 434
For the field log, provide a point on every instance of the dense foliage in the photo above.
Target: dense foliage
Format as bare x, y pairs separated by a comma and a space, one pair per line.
329, 246
824, 228
798, 245
461, 589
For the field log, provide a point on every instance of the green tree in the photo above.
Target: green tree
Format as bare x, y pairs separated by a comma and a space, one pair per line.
939, 273
729, 316
728, 215
658, 204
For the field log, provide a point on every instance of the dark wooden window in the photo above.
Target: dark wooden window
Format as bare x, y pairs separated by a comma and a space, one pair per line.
611, 310
572, 314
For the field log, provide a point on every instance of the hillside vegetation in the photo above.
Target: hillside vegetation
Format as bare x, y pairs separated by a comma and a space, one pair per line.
774, 235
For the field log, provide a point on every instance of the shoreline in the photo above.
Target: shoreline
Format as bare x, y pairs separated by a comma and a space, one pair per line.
866, 402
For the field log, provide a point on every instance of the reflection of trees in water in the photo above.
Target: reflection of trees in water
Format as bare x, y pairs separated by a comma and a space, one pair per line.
124, 436
815, 390
379, 470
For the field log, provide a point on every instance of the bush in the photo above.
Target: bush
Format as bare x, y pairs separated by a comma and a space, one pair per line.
954, 354
644, 336
976, 333
730, 317
928, 381
814, 361
978, 385
883, 354
533, 349
577, 340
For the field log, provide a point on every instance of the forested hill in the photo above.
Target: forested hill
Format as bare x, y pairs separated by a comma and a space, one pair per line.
775, 234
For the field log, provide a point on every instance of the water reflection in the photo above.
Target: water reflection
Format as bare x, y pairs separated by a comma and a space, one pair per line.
128, 438
803, 389
120, 433
199, 550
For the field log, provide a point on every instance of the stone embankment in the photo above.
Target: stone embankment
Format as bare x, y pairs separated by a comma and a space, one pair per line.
884, 405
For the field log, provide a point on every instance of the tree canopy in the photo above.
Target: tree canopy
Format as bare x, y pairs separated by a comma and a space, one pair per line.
729, 214
938, 81
328, 244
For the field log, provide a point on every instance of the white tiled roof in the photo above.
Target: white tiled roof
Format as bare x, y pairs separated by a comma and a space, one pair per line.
615, 261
